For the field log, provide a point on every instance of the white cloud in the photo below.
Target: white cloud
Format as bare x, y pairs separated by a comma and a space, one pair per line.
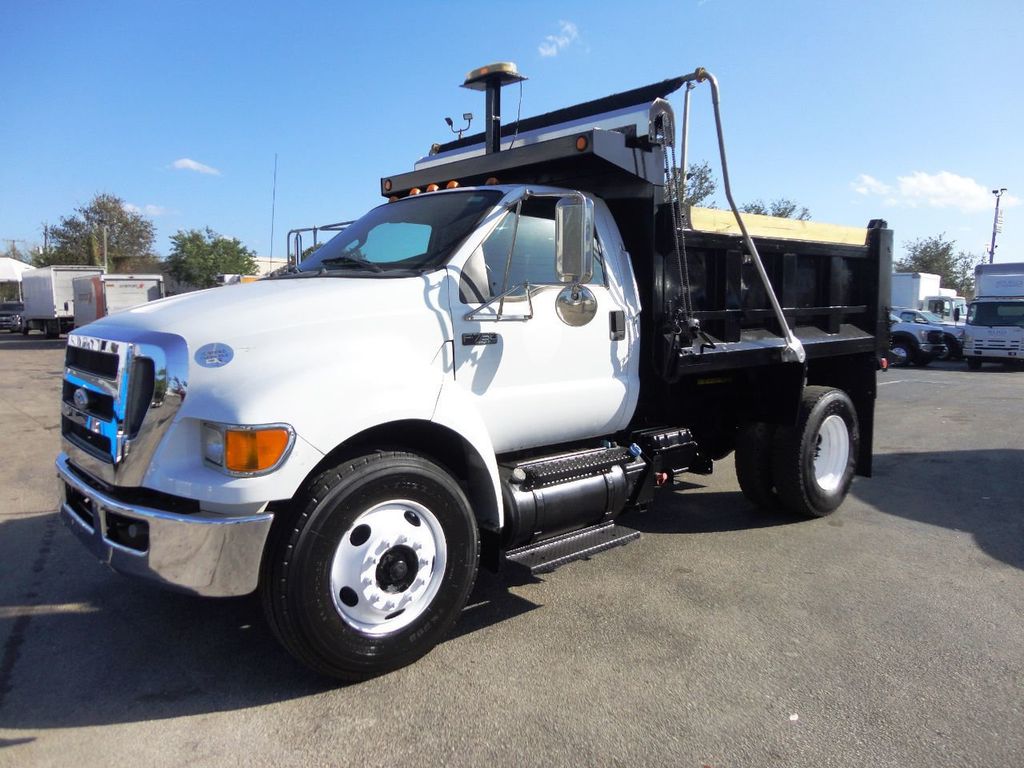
932, 190
869, 185
149, 209
553, 44
187, 164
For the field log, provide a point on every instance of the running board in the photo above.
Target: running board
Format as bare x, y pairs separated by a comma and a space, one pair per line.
547, 555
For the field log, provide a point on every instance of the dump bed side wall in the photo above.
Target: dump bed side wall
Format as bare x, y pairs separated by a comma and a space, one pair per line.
834, 296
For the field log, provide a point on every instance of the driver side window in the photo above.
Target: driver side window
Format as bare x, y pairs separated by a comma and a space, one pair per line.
533, 256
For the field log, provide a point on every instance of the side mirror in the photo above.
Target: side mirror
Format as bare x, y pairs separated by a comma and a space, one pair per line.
574, 239
956, 314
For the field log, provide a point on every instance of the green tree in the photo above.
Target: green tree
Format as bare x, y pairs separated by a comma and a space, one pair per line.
307, 252
78, 239
700, 185
782, 207
939, 256
197, 257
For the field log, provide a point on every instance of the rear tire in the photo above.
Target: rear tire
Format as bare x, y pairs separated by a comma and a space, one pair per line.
372, 568
813, 462
754, 443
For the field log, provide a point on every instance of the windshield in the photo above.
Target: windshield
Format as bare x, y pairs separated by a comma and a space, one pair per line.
997, 313
931, 317
413, 234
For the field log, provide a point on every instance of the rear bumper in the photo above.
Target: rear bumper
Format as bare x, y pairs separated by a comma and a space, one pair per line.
994, 355
206, 554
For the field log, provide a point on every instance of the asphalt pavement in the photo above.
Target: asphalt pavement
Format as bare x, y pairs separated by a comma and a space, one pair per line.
889, 634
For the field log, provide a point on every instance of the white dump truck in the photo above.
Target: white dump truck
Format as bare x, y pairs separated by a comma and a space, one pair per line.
527, 342
97, 296
995, 319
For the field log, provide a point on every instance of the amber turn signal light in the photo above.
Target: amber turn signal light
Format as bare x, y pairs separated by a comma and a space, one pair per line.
254, 450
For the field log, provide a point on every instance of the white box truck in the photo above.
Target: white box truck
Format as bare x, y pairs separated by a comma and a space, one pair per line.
995, 319
50, 297
921, 290
97, 296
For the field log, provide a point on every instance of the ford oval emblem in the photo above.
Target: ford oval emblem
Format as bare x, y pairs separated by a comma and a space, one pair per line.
81, 398
214, 355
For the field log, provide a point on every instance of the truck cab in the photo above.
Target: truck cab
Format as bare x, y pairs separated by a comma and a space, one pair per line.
995, 319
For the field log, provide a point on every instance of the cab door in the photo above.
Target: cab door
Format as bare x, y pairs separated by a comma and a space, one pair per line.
535, 378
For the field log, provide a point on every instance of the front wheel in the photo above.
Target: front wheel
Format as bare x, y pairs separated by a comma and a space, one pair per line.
374, 566
973, 364
813, 462
902, 352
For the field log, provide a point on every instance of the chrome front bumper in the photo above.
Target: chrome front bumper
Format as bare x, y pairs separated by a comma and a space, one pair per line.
203, 553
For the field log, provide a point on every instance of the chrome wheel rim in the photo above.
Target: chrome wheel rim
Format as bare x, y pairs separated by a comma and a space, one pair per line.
388, 566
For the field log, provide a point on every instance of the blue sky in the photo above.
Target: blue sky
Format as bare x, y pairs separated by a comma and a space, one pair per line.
907, 111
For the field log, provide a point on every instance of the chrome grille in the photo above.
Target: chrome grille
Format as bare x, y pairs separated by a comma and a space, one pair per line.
119, 395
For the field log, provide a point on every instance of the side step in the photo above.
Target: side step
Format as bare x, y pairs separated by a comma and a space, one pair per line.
545, 556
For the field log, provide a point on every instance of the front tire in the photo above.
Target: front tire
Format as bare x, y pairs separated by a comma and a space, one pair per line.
902, 352
973, 364
813, 462
374, 566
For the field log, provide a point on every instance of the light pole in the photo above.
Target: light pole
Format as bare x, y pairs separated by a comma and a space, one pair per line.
995, 224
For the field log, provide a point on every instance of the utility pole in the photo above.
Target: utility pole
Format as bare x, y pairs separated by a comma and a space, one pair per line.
995, 224
105, 247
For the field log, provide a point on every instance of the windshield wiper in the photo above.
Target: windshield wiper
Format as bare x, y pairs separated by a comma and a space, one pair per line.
351, 260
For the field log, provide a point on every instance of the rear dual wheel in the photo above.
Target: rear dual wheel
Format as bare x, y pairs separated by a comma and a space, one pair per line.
808, 467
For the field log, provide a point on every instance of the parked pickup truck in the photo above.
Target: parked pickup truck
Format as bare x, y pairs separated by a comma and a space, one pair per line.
10, 315
917, 339
530, 339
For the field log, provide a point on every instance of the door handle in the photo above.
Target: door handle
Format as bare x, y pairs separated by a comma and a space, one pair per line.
616, 325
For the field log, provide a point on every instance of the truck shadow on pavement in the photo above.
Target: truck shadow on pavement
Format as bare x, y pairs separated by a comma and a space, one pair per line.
978, 492
82, 646
710, 512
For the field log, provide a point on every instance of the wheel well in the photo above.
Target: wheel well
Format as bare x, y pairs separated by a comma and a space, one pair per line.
904, 336
857, 376
435, 442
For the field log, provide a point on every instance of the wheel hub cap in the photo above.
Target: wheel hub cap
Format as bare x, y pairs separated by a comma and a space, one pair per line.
388, 566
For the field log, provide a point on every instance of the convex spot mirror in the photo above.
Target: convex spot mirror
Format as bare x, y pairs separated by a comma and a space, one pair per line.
574, 239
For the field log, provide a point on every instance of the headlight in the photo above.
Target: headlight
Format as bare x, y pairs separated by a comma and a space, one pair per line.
246, 450
968, 339
923, 335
